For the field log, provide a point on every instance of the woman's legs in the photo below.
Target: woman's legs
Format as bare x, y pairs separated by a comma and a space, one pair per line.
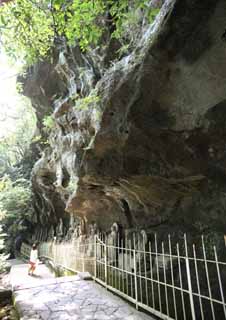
31, 268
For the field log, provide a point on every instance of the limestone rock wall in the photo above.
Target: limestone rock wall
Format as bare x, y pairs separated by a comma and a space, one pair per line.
148, 151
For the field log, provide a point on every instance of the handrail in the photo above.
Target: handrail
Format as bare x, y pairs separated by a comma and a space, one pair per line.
170, 286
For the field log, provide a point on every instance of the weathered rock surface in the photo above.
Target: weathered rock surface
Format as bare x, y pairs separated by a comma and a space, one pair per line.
149, 150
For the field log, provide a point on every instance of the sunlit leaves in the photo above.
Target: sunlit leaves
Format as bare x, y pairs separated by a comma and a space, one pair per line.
26, 30
16, 142
28, 27
82, 22
87, 102
48, 122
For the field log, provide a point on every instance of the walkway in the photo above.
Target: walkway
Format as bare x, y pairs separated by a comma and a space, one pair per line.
48, 298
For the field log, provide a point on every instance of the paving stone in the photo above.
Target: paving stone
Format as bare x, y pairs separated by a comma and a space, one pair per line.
69, 298
68, 279
101, 315
85, 276
60, 315
110, 311
123, 312
45, 315
90, 307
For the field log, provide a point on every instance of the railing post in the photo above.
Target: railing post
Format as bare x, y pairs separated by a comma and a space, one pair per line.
135, 277
105, 265
189, 280
83, 258
95, 257
219, 280
190, 288
54, 250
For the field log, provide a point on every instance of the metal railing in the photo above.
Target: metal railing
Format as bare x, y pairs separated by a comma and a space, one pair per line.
73, 256
25, 250
171, 285
170, 280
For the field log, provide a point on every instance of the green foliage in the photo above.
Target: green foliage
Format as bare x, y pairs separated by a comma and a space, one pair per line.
19, 87
88, 101
37, 139
14, 198
29, 27
16, 141
3, 256
128, 17
48, 122
3, 262
15, 208
15, 192
82, 22
152, 14
27, 31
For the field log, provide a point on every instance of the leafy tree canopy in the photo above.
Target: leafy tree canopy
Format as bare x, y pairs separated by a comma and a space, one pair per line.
15, 143
15, 208
15, 190
28, 28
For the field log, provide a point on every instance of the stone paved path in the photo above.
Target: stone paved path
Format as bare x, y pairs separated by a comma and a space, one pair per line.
20, 280
66, 298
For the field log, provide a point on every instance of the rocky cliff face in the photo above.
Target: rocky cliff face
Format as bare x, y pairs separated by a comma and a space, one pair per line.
143, 142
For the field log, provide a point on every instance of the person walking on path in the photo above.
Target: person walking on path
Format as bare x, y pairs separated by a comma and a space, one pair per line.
33, 260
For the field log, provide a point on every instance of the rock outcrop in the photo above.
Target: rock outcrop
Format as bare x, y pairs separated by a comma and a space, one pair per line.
143, 142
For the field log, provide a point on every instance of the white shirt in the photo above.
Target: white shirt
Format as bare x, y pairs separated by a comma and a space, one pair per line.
34, 256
